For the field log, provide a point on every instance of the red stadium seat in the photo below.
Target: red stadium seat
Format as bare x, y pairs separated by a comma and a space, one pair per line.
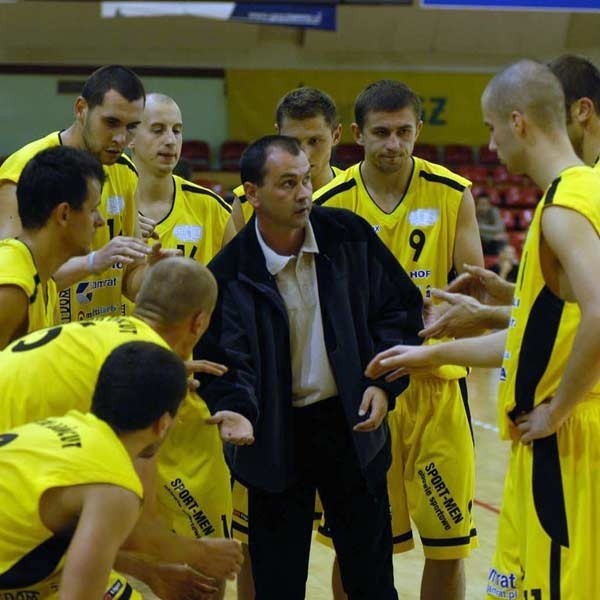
346, 155
478, 189
215, 186
476, 173
500, 174
230, 154
197, 153
509, 218
487, 156
530, 196
512, 195
457, 154
427, 152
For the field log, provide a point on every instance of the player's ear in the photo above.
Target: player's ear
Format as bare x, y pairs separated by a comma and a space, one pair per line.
418, 131
250, 191
62, 213
336, 134
357, 134
81, 109
582, 109
200, 323
162, 425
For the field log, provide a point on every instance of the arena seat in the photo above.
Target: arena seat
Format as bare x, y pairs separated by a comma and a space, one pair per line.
458, 154
346, 155
487, 156
230, 154
475, 173
427, 152
197, 153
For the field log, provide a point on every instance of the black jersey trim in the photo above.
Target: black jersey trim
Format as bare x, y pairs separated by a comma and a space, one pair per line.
554, 574
551, 191
536, 348
548, 493
464, 394
235, 525
459, 187
403, 537
242, 198
341, 187
126, 595
196, 189
455, 541
123, 160
37, 564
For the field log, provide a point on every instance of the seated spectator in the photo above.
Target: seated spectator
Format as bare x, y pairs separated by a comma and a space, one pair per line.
491, 225
508, 263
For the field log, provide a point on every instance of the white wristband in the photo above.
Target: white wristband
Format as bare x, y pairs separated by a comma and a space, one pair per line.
90, 261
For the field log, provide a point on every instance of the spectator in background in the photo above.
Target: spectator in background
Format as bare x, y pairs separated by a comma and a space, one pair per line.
508, 263
183, 169
491, 225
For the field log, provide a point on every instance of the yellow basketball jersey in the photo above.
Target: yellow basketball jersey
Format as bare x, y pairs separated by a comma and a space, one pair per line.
420, 231
66, 361
248, 209
542, 326
76, 449
18, 268
196, 223
97, 295
52, 371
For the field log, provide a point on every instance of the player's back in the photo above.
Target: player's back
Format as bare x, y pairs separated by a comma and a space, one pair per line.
51, 371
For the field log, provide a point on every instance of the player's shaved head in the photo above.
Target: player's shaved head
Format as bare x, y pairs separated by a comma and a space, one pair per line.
530, 88
157, 99
175, 289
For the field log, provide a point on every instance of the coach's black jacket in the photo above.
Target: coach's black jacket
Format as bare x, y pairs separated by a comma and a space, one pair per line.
368, 304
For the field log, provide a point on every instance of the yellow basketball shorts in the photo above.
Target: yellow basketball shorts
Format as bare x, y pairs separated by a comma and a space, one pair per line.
432, 476
547, 546
193, 488
117, 588
239, 523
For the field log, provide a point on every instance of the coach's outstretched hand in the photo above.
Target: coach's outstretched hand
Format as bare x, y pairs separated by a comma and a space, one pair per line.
233, 427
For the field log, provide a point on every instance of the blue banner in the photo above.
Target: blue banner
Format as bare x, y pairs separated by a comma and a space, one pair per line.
310, 16
547, 5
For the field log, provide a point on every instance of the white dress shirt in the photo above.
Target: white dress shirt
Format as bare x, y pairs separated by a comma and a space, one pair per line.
296, 277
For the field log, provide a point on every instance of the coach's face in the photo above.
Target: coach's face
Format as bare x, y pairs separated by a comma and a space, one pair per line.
109, 127
284, 199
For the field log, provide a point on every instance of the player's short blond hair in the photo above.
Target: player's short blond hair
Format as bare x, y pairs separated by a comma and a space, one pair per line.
175, 289
530, 88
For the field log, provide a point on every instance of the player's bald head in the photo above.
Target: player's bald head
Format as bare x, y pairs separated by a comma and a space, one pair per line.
156, 100
530, 88
175, 289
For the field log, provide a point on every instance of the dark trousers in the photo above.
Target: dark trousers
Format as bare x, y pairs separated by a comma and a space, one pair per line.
280, 524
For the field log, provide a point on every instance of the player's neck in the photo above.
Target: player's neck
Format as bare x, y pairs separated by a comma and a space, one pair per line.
321, 179
153, 191
386, 189
283, 241
48, 256
591, 143
73, 137
550, 159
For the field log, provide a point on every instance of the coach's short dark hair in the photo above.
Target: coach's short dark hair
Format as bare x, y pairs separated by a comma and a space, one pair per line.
254, 158
55, 175
579, 79
112, 77
306, 103
385, 95
138, 383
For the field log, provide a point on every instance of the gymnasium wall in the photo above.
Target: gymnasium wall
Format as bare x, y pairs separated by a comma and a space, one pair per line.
443, 54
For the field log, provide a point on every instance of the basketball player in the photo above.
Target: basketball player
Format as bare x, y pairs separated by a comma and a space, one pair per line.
580, 81
69, 494
106, 115
173, 310
310, 116
183, 215
550, 355
58, 197
425, 214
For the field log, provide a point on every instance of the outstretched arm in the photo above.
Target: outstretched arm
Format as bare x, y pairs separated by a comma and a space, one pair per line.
107, 516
